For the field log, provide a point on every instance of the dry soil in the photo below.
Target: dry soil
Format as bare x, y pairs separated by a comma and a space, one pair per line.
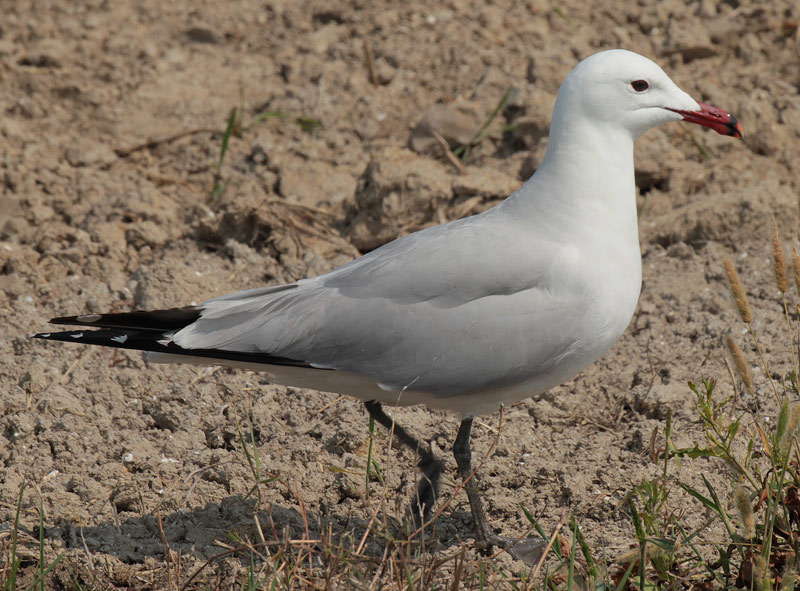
111, 123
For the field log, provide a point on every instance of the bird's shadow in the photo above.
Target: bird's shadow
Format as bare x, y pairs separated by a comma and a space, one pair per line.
217, 527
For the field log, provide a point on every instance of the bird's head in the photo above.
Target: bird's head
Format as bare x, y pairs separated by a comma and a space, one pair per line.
625, 90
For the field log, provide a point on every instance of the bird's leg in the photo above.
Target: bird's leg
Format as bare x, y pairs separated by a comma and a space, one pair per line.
485, 536
431, 467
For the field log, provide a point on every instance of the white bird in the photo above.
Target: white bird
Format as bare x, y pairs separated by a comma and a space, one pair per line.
465, 316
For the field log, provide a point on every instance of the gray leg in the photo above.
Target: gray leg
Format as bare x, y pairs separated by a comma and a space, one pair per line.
485, 536
431, 467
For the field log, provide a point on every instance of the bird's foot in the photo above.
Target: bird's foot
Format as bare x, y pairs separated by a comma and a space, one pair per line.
528, 550
486, 542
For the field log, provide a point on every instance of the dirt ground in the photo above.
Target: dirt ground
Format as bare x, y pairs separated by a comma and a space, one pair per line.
112, 121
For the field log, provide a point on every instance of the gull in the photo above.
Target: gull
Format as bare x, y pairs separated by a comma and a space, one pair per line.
467, 316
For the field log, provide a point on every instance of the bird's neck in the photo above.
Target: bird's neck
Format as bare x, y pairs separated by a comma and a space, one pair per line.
586, 176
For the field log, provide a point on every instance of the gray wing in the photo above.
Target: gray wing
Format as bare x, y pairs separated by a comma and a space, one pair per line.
445, 265
448, 310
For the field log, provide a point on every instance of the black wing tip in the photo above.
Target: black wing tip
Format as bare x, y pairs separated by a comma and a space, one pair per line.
76, 320
157, 320
145, 340
76, 336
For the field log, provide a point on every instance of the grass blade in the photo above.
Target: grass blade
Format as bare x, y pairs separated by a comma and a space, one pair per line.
226, 138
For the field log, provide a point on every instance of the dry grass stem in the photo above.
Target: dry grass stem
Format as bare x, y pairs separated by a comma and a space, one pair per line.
369, 60
742, 368
778, 260
452, 158
796, 265
550, 542
779, 266
737, 291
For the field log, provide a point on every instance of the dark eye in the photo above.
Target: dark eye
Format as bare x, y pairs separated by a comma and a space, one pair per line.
640, 85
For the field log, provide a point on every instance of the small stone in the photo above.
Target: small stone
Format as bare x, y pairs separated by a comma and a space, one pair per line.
38, 59
384, 71
320, 40
455, 125
146, 233
7, 48
681, 250
314, 183
111, 235
201, 35
690, 39
398, 193
89, 153
530, 70
40, 213
484, 182
12, 128
491, 18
